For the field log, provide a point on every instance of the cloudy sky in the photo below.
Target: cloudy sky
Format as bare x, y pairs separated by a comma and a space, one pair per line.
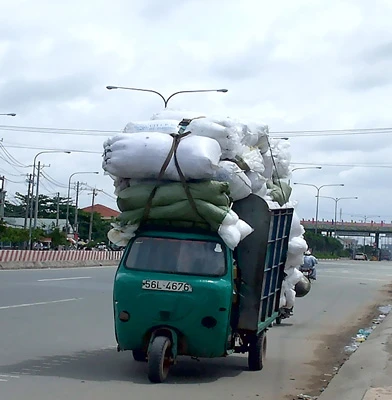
299, 65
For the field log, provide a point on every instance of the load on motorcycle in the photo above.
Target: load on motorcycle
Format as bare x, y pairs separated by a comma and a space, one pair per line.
295, 284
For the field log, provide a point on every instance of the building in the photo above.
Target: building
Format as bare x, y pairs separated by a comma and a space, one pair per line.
47, 224
106, 213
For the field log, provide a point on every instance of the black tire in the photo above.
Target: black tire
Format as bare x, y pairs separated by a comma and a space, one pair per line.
257, 352
278, 320
159, 359
139, 355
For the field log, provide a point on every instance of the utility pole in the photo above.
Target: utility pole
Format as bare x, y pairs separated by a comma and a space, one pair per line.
76, 230
2, 197
58, 210
36, 195
90, 230
28, 200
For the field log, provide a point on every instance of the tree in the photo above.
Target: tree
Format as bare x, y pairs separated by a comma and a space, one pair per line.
58, 238
47, 208
100, 226
323, 244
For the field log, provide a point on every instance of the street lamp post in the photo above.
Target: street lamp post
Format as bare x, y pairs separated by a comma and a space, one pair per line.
30, 201
318, 188
166, 101
295, 169
69, 195
336, 200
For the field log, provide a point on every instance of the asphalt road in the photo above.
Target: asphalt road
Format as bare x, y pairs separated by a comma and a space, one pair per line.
57, 340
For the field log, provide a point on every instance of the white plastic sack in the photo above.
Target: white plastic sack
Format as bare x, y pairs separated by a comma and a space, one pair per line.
297, 245
141, 156
254, 160
227, 138
294, 260
257, 181
296, 228
252, 134
290, 297
268, 165
177, 115
162, 126
239, 184
281, 152
230, 235
293, 276
120, 236
243, 228
255, 134
231, 218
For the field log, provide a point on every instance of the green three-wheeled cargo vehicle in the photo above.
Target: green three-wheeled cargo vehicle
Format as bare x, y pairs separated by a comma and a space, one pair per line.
182, 291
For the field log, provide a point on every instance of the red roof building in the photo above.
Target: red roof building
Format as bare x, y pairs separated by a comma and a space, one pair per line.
105, 212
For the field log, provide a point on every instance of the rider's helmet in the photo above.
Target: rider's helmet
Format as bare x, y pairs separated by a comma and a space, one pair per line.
307, 253
302, 288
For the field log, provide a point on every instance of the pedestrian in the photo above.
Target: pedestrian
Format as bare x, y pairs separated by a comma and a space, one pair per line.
309, 264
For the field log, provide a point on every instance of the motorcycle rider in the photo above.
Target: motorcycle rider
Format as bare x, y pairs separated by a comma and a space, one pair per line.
310, 262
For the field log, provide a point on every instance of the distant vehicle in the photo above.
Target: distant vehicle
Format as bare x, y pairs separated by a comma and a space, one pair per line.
360, 256
385, 255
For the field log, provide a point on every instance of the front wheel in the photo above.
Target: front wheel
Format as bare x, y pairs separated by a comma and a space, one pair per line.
278, 320
257, 352
159, 359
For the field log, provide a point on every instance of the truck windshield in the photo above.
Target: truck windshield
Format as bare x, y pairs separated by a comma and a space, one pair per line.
177, 256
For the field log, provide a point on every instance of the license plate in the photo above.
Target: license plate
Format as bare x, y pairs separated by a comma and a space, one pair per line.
167, 286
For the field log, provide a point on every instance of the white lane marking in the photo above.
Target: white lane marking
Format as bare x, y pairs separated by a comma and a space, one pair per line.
357, 278
64, 279
9, 376
39, 304
3, 380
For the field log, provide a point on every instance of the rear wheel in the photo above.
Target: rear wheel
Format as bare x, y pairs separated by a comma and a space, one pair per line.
159, 359
139, 355
257, 352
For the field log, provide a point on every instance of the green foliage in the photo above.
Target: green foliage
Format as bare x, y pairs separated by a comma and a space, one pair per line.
48, 209
324, 245
58, 238
100, 227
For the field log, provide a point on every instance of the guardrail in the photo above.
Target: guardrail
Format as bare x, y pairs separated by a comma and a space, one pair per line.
62, 255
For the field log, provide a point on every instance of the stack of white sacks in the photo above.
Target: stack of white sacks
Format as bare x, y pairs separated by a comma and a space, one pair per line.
218, 149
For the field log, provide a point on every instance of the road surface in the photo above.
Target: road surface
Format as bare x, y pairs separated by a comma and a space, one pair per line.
57, 340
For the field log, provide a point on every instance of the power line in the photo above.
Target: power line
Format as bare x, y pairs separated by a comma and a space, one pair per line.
380, 130
97, 132
9, 180
346, 165
17, 146
11, 157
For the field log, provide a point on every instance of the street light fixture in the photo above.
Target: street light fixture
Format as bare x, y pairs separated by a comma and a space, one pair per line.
318, 188
9, 114
69, 194
295, 169
336, 200
166, 101
32, 191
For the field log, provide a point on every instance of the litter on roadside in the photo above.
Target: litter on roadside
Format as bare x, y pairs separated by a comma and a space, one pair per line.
385, 309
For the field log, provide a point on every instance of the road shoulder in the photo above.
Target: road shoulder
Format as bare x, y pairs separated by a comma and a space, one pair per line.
368, 371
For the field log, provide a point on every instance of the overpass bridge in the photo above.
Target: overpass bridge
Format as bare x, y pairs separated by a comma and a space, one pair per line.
344, 228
